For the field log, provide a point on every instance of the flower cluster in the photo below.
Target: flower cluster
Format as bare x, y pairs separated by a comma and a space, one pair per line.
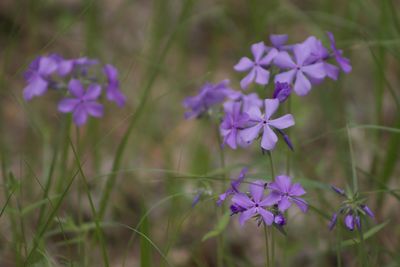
248, 117
352, 209
267, 208
70, 77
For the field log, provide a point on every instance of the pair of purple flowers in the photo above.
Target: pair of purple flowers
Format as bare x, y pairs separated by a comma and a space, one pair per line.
71, 76
352, 209
300, 65
269, 209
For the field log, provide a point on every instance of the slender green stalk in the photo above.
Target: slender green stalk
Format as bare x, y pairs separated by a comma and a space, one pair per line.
271, 229
267, 260
271, 164
353, 165
362, 255
288, 151
338, 248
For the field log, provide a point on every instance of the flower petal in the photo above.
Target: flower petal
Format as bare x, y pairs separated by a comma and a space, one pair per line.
284, 204
67, 105
271, 199
265, 61
244, 64
251, 133
349, 222
284, 61
94, 109
300, 203
278, 40
93, 92
245, 82
242, 200
269, 138
47, 66
262, 75
258, 50
271, 105
283, 183
331, 71
37, 86
257, 190
246, 215
76, 88
267, 216
296, 190
285, 77
301, 53
80, 115
302, 85
315, 71
282, 122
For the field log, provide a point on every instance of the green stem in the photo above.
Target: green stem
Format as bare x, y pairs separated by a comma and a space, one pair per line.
272, 246
271, 164
363, 256
338, 248
267, 260
353, 165
288, 152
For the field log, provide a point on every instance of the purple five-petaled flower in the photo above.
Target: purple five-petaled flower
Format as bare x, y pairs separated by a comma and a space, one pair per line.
113, 91
285, 193
84, 102
256, 68
299, 70
255, 204
264, 123
234, 187
38, 76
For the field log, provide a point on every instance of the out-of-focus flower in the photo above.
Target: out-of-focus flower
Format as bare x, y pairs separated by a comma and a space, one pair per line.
38, 76
234, 187
282, 91
264, 123
343, 62
84, 102
285, 193
233, 122
113, 91
299, 70
209, 95
256, 68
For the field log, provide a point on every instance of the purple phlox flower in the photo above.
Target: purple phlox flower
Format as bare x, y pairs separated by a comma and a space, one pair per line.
338, 190
333, 221
343, 62
256, 68
320, 54
263, 122
279, 41
282, 91
368, 211
299, 70
234, 187
280, 220
209, 95
232, 123
84, 102
38, 76
113, 91
285, 193
64, 66
255, 204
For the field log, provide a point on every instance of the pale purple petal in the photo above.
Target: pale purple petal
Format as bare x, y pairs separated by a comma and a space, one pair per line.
254, 113
258, 50
93, 92
267, 216
242, 200
111, 72
284, 61
284, 204
301, 53
271, 105
251, 133
296, 190
36, 87
65, 67
94, 109
302, 85
300, 203
265, 61
368, 211
262, 75
271, 199
315, 71
278, 40
282, 122
246, 215
80, 115
285, 77
114, 94
47, 66
245, 82
283, 183
76, 88
331, 71
257, 190
269, 138
68, 105
244, 64
349, 222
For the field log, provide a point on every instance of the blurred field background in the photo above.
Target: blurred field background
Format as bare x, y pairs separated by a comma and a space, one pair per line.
165, 50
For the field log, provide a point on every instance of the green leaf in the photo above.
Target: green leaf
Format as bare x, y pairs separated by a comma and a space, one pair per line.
367, 235
221, 225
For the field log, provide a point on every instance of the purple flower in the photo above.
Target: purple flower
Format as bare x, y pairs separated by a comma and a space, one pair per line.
233, 188
83, 104
285, 193
263, 122
282, 91
333, 221
113, 90
233, 122
279, 41
209, 95
38, 76
300, 70
256, 67
351, 221
255, 205
235, 209
338, 190
343, 62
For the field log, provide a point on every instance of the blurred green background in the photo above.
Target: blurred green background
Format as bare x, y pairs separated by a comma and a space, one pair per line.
165, 50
